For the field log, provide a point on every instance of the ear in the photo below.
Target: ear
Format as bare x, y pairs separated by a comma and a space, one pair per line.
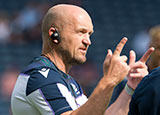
51, 31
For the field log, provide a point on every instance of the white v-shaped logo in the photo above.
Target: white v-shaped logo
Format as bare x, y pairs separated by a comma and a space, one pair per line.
44, 72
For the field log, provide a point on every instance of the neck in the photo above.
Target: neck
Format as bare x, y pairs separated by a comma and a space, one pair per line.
58, 62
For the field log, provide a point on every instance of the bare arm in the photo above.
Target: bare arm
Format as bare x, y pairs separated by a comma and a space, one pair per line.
120, 106
115, 69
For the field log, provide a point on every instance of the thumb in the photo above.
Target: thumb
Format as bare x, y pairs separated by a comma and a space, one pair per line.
109, 56
132, 57
107, 60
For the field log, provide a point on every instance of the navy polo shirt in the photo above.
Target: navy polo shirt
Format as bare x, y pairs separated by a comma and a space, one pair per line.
42, 88
146, 98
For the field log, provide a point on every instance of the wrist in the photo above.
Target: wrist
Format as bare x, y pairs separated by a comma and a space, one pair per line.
105, 82
129, 90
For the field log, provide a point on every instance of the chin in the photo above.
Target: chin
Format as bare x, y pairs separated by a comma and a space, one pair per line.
82, 60
78, 61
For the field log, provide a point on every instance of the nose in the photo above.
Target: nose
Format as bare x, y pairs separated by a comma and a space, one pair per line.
87, 40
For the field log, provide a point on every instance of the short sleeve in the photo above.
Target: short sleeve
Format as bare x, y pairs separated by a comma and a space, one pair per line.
49, 99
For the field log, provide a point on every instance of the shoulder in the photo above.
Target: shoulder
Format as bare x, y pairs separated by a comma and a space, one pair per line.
42, 77
41, 72
146, 99
151, 80
149, 86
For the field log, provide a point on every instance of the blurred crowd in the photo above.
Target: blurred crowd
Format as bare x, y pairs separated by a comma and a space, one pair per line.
21, 27
24, 27
7, 81
17, 27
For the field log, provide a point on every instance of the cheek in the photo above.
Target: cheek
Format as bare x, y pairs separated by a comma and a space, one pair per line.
72, 43
156, 53
68, 46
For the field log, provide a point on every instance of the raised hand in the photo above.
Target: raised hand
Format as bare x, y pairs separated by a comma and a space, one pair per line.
115, 66
138, 69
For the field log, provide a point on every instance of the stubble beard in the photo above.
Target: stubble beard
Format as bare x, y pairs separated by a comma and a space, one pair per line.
68, 58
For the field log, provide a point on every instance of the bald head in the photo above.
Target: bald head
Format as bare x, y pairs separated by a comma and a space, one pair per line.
74, 26
60, 15
67, 19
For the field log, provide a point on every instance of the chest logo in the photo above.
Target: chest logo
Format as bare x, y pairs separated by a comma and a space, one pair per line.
44, 72
75, 89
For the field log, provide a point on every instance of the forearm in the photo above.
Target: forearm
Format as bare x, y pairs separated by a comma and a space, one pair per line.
115, 69
120, 106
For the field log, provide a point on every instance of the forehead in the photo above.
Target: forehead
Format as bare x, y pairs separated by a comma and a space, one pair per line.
84, 21
80, 20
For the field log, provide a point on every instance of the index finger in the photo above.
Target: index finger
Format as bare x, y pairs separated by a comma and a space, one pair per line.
120, 46
145, 57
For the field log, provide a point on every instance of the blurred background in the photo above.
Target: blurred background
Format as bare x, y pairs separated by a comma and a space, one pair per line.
20, 36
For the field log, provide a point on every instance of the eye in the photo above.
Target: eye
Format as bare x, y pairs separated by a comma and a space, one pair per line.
90, 33
82, 31
85, 31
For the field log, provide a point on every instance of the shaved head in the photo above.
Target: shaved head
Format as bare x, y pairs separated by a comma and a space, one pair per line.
60, 15
74, 26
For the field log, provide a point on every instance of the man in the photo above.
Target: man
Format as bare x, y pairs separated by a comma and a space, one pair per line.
146, 97
145, 100
154, 34
45, 87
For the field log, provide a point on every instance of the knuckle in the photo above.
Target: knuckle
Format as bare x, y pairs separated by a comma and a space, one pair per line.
137, 70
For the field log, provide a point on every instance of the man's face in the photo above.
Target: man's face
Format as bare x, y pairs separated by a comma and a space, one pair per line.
76, 39
156, 44
155, 57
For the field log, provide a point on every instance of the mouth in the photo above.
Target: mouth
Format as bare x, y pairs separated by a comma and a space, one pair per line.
83, 50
